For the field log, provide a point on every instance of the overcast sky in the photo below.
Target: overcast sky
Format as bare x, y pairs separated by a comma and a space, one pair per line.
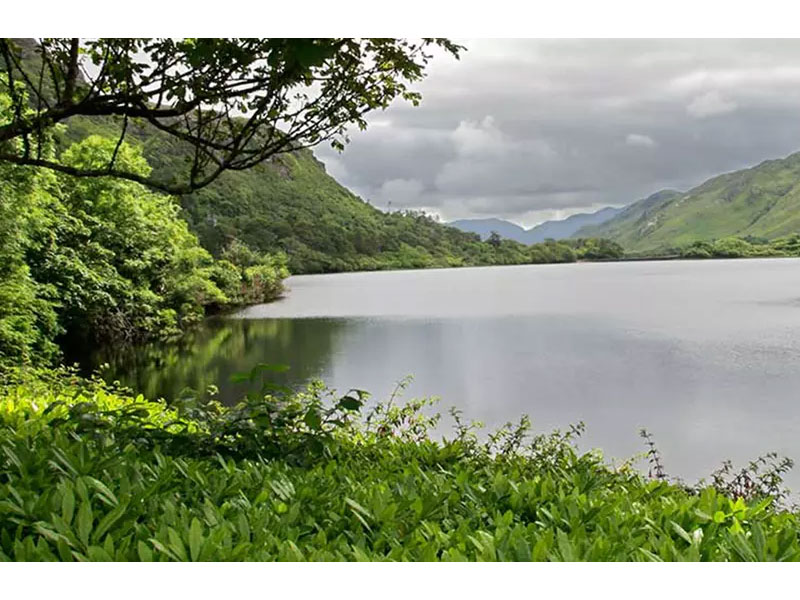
529, 130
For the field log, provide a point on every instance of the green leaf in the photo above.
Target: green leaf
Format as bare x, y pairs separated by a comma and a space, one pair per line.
357, 507
719, 517
98, 554
162, 548
48, 533
312, 419
739, 505
105, 494
350, 403
68, 504
736, 527
759, 541
85, 520
64, 552
145, 554
109, 520
195, 539
650, 556
702, 515
741, 548
681, 532
176, 544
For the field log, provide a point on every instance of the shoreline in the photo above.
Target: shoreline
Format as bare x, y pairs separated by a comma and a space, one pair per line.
671, 257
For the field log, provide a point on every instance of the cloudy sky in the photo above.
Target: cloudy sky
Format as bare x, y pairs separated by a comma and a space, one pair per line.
530, 130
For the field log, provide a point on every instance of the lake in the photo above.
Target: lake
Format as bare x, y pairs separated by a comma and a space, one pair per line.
704, 354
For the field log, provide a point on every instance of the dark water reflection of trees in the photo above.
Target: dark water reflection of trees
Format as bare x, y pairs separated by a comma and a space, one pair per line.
212, 353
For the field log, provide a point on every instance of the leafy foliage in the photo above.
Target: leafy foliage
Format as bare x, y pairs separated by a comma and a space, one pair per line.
597, 249
235, 101
733, 247
105, 259
27, 319
290, 205
91, 473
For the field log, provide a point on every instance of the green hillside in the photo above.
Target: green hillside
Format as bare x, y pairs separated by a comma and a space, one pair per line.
760, 202
291, 205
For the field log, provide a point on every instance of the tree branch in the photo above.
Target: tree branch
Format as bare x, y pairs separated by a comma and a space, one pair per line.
75, 172
234, 102
72, 72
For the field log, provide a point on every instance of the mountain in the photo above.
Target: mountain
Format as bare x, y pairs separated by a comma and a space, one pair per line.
632, 216
556, 230
564, 228
291, 204
484, 228
759, 202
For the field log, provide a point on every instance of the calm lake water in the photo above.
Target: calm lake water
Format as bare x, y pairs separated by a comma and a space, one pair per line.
704, 354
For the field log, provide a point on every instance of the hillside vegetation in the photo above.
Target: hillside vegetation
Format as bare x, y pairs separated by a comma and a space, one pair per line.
290, 205
762, 202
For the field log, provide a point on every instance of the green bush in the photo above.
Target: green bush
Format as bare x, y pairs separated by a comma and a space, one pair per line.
105, 260
733, 247
598, 249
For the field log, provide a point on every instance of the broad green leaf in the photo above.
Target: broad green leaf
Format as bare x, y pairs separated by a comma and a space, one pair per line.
313, 419
68, 504
350, 403
145, 554
195, 539
84, 523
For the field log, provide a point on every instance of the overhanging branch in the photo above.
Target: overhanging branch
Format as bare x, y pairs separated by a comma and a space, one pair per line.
105, 172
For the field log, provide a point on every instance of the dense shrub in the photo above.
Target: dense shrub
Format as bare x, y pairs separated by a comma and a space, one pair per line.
733, 247
28, 321
104, 260
597, 249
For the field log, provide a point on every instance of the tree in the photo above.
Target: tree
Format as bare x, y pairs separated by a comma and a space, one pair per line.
234, 102
494, 239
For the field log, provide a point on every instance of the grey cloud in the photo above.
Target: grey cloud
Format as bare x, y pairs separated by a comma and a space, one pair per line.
709, 104
530, 129
642, 141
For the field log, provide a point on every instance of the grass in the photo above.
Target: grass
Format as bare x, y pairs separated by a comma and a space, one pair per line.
90, 473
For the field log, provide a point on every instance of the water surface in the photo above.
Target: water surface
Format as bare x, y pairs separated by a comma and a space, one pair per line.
705, 354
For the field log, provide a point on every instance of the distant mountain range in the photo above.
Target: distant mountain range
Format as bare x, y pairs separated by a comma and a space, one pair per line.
761, 202
555, 230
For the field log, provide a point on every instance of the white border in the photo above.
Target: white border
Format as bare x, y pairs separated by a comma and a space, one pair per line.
408, 18
385, 581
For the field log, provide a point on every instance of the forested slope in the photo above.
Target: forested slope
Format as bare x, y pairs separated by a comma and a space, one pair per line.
762, 202
290, 204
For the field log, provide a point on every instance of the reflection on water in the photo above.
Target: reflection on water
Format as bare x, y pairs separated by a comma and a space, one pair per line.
706, 355
212, 353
